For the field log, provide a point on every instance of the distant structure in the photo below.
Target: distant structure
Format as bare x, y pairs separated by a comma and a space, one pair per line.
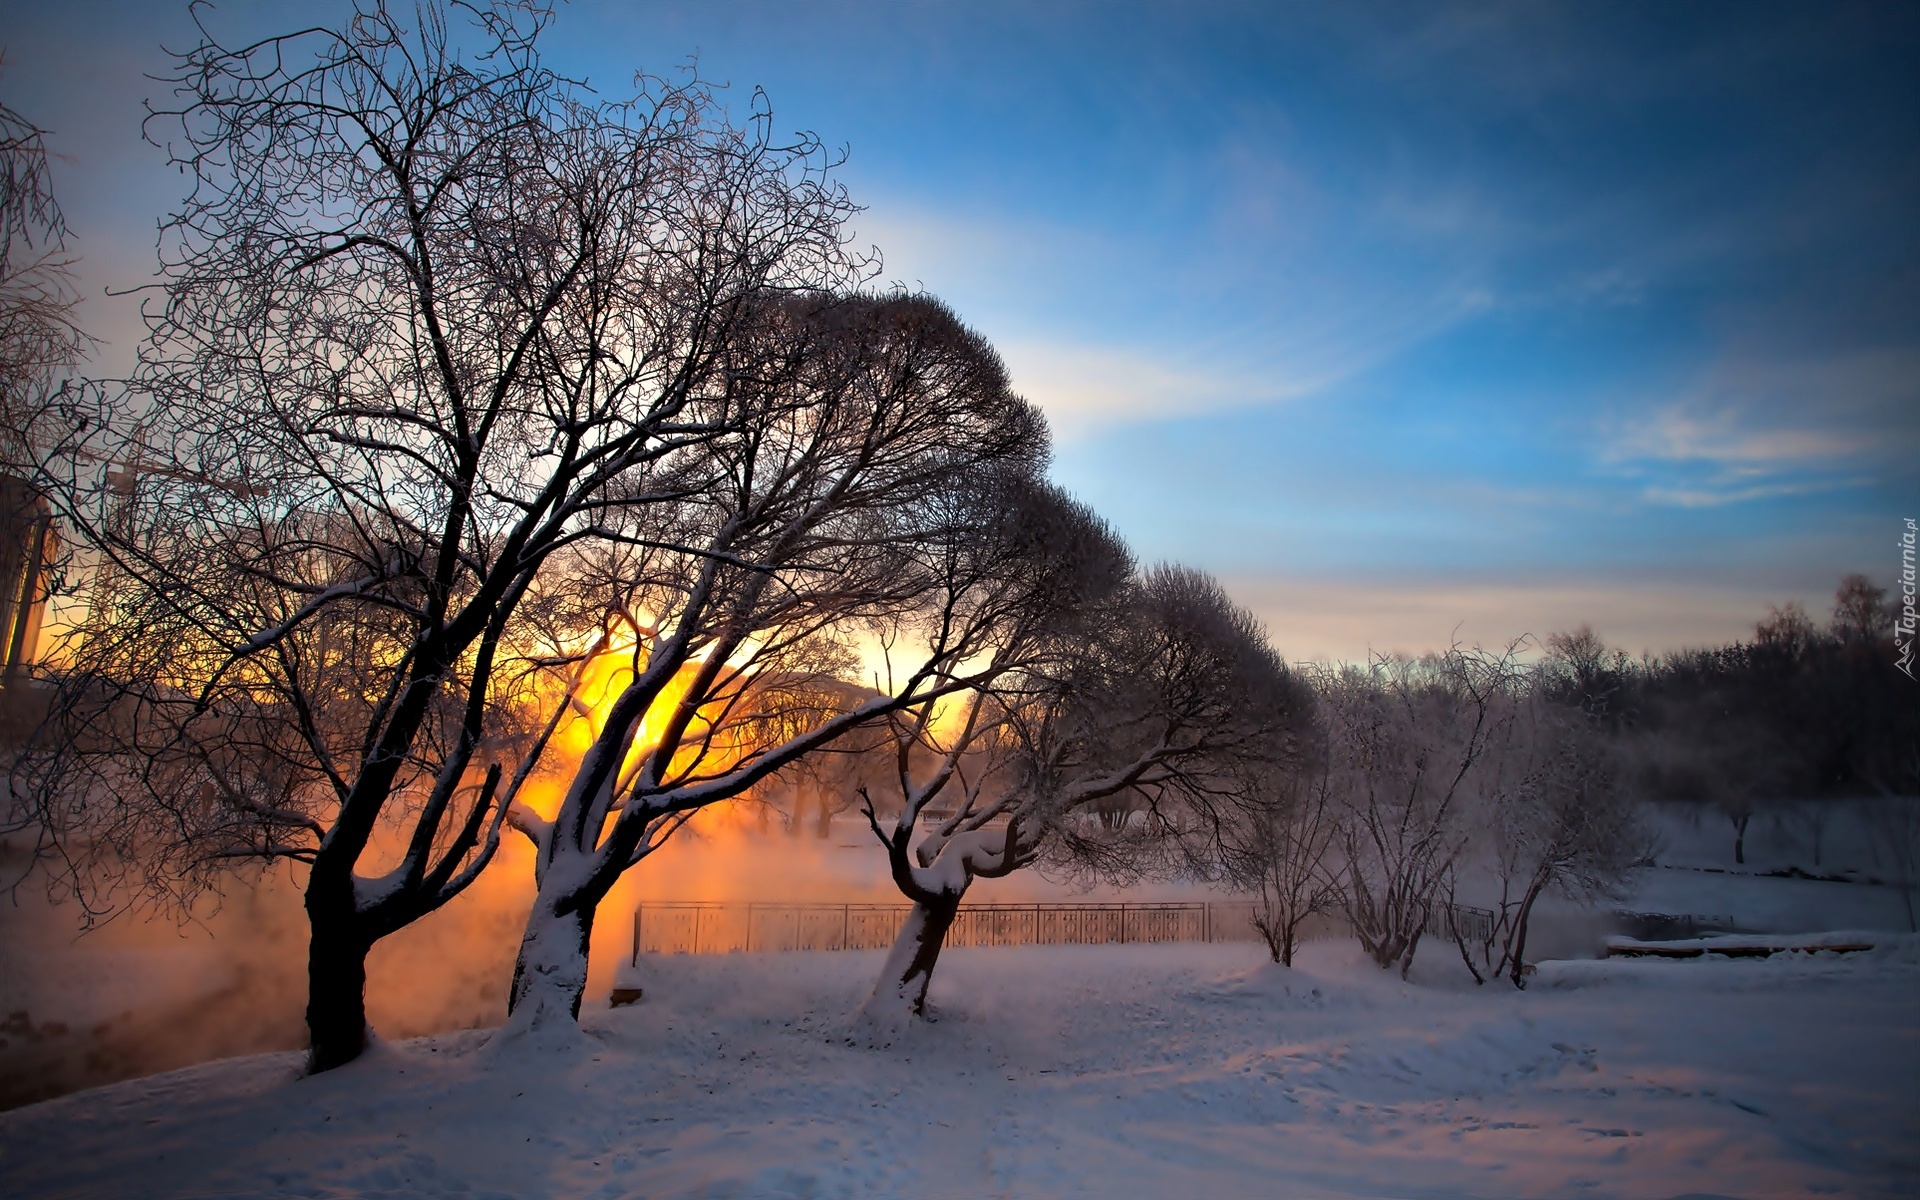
27, 545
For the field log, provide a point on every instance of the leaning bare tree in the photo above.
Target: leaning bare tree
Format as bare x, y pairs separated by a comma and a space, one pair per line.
1030, 575
1156, 688
434, 326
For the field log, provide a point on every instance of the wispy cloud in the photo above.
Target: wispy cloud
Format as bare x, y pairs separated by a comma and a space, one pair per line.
1346, 619
1085, 389
1101, 338
1760, 427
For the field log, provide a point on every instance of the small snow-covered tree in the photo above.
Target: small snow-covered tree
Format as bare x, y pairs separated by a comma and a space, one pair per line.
1157, 687
1032, 576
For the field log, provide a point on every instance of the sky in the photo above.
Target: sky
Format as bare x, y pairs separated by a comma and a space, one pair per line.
1414, 323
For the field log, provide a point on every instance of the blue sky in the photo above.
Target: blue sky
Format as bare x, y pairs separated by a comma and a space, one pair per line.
1410, 321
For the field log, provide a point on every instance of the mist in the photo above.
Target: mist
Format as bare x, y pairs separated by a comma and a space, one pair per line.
150, 992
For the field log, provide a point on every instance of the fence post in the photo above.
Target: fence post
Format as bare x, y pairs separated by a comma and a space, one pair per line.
749, 949
696, 930
1123, 924
846, 926
637, 910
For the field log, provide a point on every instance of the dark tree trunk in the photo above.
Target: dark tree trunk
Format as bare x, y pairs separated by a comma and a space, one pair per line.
336, 988
1520, 934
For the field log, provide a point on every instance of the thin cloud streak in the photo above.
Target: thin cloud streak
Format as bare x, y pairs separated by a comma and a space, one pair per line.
1345, 620
1027, 287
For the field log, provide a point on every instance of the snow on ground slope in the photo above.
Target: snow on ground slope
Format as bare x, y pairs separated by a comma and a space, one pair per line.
1111, 1071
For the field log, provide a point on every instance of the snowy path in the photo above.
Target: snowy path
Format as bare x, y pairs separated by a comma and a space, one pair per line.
1183, 1071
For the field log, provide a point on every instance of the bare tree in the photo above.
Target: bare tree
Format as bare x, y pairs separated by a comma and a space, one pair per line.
867, 467
435, 328
1042, 574
1287, 851
1558, 820
1860, 610
1579, 668
39, 335
40, 341
1161, 689
1408, 737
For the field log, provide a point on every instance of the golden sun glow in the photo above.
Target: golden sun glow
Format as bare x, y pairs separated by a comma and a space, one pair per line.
709, 744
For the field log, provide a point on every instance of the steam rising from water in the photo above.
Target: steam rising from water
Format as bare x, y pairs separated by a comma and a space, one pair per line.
140, 996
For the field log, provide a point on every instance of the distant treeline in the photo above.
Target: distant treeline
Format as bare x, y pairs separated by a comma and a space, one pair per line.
1798, 711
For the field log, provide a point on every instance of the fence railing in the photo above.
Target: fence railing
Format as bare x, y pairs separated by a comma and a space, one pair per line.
721, 927
1473, 924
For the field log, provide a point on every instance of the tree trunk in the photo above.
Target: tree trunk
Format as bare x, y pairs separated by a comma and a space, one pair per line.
902, 989
1520, 934
550, 975
1467, 958
336, 988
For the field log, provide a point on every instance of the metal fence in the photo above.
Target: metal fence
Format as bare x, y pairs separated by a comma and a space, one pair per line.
714, 927
1472, 924
722, 928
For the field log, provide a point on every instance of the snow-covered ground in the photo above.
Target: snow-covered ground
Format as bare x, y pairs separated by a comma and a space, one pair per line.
1110, 1071
139, 997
